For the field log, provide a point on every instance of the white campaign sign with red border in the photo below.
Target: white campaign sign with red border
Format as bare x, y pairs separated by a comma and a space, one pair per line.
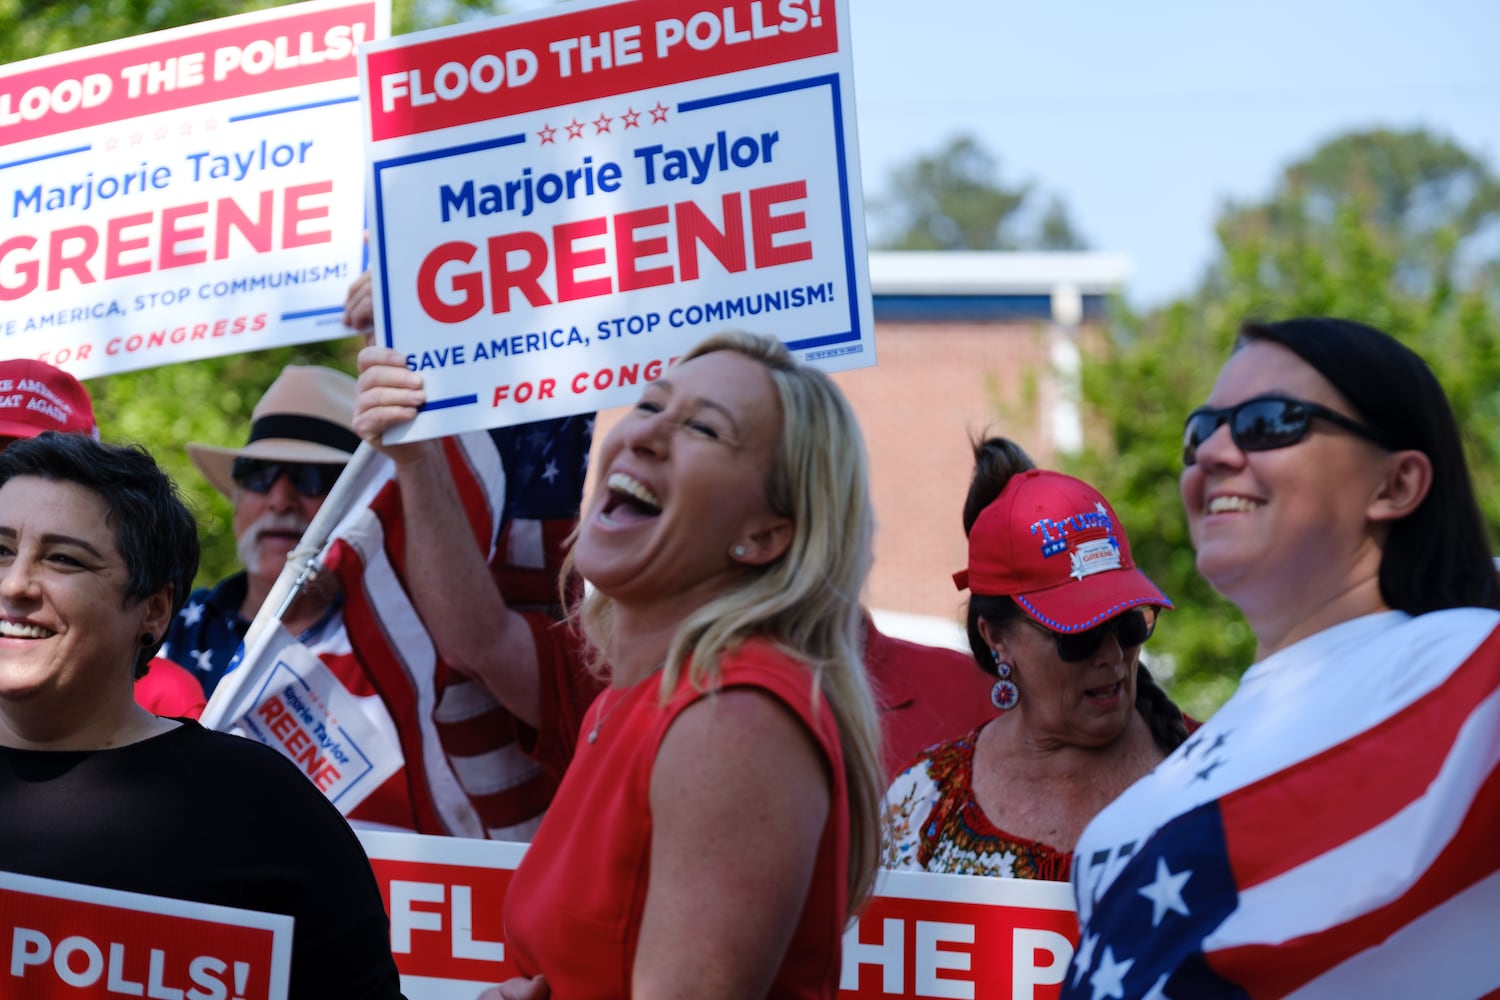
64, 939
562, 203
186, 193
922, 936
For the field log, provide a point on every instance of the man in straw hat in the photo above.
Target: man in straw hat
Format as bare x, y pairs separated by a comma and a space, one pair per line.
440, 760
301, 437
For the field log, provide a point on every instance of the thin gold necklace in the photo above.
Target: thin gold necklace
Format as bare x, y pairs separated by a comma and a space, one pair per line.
604, 713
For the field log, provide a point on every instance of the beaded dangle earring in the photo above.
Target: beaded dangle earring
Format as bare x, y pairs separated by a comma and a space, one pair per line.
1004, 694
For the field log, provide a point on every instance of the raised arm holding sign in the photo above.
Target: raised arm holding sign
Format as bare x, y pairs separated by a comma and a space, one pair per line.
562, 258
727, 543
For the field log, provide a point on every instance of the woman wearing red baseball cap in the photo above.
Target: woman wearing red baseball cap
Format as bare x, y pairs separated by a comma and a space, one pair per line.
1057, 614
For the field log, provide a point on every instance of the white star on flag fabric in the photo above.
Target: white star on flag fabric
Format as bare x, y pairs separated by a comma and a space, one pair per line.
1165, 893
1083, 959
1108, 981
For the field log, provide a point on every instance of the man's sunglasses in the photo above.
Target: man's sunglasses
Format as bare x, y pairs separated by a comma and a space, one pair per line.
1131, 629
310, 479
1263, 423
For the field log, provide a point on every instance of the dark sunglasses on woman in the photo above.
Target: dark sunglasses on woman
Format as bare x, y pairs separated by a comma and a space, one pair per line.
309, 479
1131, 629
1264, 423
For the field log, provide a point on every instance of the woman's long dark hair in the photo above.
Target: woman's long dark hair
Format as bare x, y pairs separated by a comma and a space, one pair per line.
1439, 555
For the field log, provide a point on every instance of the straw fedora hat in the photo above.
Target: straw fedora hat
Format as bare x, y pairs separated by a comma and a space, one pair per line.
307, 415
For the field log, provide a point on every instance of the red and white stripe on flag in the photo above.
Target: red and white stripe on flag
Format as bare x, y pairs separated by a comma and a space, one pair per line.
464, 772
1418, 825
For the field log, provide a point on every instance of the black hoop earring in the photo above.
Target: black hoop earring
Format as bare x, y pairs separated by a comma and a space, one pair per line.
148, 639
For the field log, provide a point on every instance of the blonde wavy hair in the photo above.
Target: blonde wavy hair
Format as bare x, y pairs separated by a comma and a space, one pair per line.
807, 602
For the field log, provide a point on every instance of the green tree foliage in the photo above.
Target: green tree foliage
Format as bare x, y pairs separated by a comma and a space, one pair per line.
1391, 229
40, 27
208, 401
37, 27
954, 200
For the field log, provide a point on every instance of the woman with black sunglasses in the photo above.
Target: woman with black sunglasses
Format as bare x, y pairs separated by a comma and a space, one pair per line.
1331, 831
1057, 614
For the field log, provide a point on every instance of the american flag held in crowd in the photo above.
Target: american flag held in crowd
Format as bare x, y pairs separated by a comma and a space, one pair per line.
522, 486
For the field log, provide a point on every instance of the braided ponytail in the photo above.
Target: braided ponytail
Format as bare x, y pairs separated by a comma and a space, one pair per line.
1168, 726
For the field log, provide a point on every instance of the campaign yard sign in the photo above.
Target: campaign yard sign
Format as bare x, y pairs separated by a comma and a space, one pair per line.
960, 936
69, 940
301, 709
186, 193
924, 935
445, 897
563, 203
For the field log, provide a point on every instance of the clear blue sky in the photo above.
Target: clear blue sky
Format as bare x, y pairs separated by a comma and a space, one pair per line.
1144, 117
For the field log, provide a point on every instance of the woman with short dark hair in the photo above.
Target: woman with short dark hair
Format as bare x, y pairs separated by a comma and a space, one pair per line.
97, 553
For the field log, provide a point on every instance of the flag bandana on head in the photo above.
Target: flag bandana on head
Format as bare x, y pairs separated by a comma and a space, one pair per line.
1330, 832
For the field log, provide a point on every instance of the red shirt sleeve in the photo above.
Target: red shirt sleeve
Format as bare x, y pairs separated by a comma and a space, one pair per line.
926, 695
170, 690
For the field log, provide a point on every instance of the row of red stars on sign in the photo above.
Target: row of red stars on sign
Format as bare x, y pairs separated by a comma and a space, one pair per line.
162, 134
631, 119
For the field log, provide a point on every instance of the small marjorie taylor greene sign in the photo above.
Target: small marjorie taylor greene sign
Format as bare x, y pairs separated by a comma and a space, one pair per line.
72, 940
562, 204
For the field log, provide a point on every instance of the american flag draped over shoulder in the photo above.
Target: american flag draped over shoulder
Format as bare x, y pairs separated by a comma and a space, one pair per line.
1334, 831
461, 769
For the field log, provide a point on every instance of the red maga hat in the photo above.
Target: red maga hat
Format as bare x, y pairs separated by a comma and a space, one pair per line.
36, 397
1054, 545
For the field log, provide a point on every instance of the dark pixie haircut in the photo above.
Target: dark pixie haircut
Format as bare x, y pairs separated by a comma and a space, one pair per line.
154, 530
1439, 555
996, 460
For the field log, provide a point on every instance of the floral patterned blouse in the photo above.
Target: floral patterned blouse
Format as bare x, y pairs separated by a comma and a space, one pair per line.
933, 823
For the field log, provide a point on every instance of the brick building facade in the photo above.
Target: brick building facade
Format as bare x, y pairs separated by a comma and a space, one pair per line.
966, 344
